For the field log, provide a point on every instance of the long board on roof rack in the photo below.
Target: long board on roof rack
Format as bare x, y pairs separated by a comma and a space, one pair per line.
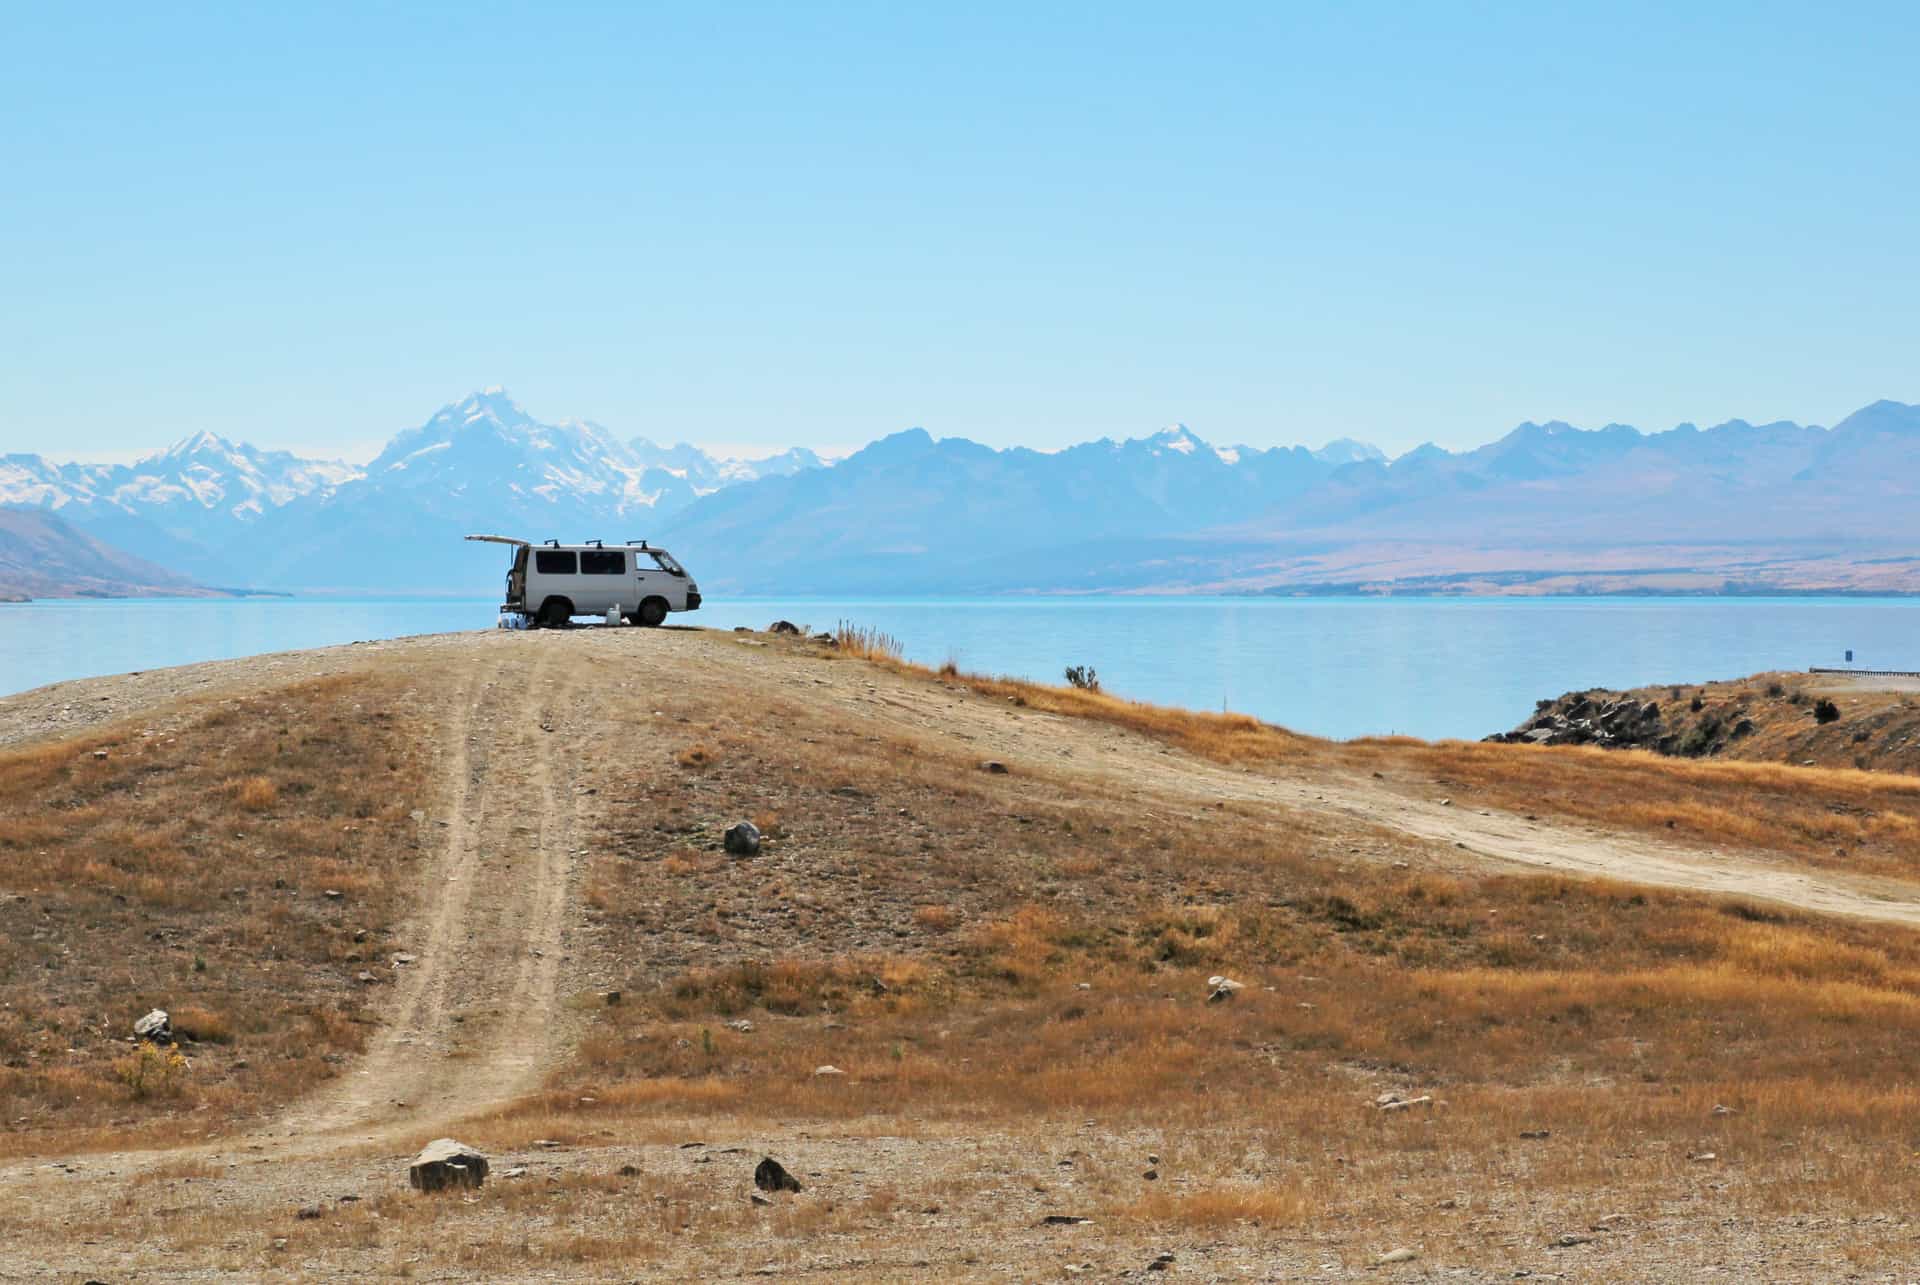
549, 584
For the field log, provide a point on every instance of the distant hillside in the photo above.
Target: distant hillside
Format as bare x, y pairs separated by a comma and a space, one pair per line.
42, 556
1824, 720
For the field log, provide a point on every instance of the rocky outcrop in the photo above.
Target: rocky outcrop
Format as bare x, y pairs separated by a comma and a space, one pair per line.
1595, 718
1822, 720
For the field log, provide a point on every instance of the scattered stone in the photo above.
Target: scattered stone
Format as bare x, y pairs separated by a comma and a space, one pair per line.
1703, 1157
1536, 1134
1223, 989
828, 1070
1151, 1175
1404, 1103
518, 1171
1610, 1223
155, 1027
629, 1171
993, 767
1064, 1220
1719, 1109
1161, 1262
402, 960
1393, 1256
770, 1176
364, 976
741, 1025
445, 1163
333, 894
759, 1199
826, 639
279, 1242
548, 1144
613, 997
308, 1213
742, 839
1567, 1240
1153, 1159
783, 627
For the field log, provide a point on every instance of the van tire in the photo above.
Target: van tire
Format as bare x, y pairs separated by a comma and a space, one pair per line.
555, 613
652, 612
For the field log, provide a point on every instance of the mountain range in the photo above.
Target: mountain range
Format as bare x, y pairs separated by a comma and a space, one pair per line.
1546, 507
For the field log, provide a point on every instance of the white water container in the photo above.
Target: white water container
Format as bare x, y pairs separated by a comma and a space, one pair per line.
614, 618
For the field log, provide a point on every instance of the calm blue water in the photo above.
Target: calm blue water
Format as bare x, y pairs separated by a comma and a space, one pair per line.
1428, 667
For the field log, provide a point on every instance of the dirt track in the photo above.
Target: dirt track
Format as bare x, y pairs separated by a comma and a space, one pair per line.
479, 1016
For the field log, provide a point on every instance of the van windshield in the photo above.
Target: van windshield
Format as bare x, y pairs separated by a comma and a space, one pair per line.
666, 562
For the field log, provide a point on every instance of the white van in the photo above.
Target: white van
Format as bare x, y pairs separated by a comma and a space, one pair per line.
552, 582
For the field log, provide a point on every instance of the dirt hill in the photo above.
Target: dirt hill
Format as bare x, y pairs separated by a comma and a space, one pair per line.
1608, 1017
1824, 720
41, 555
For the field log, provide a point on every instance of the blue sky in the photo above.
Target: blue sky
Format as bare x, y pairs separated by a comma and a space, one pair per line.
821, 223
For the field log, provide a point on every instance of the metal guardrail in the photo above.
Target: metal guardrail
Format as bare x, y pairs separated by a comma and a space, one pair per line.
1868, 673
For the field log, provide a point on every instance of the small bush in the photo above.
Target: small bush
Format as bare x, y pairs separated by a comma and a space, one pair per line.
866, 643
697, 756
935, 919
256, 794
150, 1070
1083, 677
202, 1025
1775, 690
1826, 711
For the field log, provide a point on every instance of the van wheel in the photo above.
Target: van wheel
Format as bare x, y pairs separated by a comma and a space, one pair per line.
555, 612
653, 611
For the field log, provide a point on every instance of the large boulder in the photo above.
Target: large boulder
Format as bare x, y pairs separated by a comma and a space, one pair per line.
156, 1027
445, 1163
771, 1176
742, 839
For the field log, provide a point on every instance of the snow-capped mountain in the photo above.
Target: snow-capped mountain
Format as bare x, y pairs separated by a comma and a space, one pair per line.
202, 472
911, 513
232, 514
708, 473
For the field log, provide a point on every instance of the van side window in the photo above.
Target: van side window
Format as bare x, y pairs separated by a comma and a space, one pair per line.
554, 562
603, 562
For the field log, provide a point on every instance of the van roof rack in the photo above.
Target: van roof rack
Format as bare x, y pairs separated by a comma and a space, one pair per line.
553, 544
641, 543
597, 544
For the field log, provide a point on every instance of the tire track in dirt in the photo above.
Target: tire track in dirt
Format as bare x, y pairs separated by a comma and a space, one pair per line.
476, 1015
1079, 752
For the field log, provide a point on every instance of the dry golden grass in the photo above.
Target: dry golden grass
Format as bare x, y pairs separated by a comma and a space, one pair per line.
256, 793
1835, 817
935, 919
697, 756
185, 871
991, 955
1839, 817
862, 642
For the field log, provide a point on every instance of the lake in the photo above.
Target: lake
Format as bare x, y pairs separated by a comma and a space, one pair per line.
1429, 667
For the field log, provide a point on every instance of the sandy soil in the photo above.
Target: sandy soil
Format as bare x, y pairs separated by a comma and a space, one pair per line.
479, 1017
